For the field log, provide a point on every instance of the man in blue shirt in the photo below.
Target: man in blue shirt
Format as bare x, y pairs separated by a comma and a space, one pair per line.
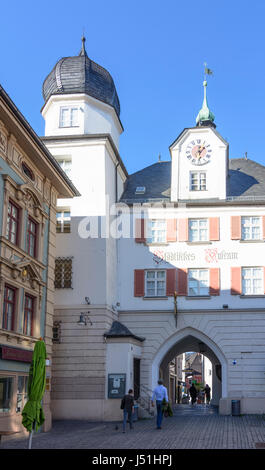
159, 393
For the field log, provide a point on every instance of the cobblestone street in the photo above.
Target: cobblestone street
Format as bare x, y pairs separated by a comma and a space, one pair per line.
198, 427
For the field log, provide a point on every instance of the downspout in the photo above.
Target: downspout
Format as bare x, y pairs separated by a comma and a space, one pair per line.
116, 182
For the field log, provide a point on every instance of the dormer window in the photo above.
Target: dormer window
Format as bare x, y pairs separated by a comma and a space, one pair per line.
68, 117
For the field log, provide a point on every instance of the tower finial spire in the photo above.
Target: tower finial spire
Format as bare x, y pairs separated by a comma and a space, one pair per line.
205, 116
83, 48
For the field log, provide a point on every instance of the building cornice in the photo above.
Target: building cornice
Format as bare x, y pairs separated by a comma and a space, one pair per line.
81, 137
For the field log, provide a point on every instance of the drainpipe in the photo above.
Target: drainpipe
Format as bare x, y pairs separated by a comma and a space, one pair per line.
116, 182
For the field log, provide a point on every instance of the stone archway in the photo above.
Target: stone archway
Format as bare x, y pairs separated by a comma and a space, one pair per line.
190, 339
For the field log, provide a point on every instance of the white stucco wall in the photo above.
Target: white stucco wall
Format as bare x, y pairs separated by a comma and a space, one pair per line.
94, 117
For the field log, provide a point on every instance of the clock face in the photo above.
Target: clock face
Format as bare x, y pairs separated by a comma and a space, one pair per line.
198, 152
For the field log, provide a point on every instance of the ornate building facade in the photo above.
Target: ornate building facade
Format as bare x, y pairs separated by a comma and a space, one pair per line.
30, 182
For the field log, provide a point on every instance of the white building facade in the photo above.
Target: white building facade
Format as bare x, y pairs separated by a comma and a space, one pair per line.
161, 262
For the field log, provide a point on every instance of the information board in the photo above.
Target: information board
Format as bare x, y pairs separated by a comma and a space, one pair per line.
116, 385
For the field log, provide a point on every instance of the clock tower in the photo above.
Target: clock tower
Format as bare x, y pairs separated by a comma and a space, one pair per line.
199, 160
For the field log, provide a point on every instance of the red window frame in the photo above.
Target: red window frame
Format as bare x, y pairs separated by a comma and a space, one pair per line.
10, 219
7, 303
32, 237
28, 313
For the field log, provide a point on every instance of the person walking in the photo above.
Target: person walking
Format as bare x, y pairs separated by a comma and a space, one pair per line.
207, 391
159, 394
127, 404
193, 394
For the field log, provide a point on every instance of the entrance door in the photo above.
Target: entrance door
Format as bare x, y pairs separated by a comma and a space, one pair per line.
136, 377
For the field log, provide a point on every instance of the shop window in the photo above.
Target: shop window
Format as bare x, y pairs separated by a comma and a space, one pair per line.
6, 387
22, 390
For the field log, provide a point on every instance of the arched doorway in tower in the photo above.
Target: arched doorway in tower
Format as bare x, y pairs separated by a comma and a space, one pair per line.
208, 362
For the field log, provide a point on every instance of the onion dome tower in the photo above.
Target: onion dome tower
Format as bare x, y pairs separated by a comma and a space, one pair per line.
81, 84
79, 74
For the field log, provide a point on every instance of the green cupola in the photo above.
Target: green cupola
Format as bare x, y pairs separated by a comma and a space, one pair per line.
205, 116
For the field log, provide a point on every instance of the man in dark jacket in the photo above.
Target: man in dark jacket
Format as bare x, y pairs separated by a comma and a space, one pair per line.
193, 394
127, 404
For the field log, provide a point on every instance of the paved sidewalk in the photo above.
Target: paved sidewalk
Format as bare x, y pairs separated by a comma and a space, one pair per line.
190, 428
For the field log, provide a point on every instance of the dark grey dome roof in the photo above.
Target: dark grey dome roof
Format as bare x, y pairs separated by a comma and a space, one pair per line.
79, 74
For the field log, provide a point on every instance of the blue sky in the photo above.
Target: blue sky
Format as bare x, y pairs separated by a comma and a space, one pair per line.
155, 52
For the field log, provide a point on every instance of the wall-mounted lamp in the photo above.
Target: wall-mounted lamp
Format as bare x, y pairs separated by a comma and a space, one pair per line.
84, 319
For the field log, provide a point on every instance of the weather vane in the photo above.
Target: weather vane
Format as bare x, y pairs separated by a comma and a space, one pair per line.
207, 71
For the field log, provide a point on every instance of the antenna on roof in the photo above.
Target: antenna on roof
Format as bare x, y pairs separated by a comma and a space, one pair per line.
159, 157
246, 155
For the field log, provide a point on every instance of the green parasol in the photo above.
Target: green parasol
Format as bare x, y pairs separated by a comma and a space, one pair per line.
32, 414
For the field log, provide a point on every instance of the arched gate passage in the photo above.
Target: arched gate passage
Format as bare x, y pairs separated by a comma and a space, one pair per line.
190, 339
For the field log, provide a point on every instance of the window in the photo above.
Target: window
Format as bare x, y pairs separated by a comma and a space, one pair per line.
198, 282
69, 117
63, 273
155, 283
31, 244
252, 281
6, 386
22, 389
140, 190
12, 223
63, 221
9, 308
27, 171
28, 315
197, 181
251, 228
156, 232
198, 230
66, 165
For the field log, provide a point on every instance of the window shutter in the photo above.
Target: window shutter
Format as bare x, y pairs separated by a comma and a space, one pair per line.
183, 230
171, 281
140, 230
235, 227
171, 230
263, 226
214, 228
139, 283
236, 281
214, 281
182, 282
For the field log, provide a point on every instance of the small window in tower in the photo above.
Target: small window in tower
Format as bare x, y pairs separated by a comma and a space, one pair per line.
68, 117
197, 181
